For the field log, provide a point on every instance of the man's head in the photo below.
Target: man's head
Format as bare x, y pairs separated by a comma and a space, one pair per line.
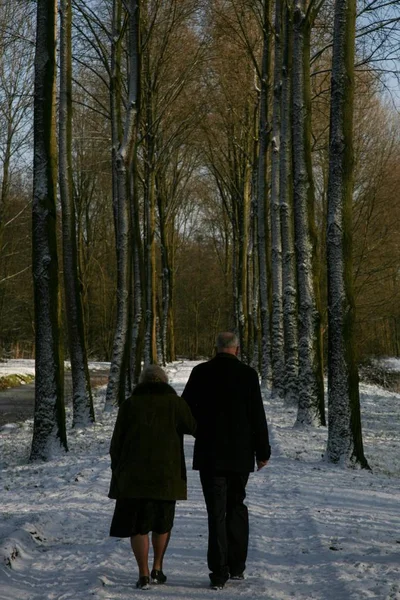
227, 342
153, 374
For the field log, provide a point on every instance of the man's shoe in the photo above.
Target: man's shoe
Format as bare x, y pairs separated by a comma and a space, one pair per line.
217, 582
217, 586
236, 576
158, 576
143, 583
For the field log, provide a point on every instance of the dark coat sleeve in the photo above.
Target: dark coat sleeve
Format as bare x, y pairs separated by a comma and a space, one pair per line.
186, 421
119, 433
259, 425
191, 392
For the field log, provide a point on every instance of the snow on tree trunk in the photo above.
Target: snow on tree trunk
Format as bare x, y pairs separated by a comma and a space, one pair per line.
138, 300
171, 325
253, 291
255, 304
117, 388
165, 269
344, 431
149, 199
244, 224
115, 104
262, 228
138, 322
82, 402
235, 293
49, 432
150, 339
311, 385
251, 266
289, 284
5, 176
277, 341
165, 311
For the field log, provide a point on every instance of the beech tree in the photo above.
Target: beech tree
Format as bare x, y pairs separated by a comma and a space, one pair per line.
277, 331
49, 417
344, 431
123, 155
82, 401
289, 280
311, 383
264, 137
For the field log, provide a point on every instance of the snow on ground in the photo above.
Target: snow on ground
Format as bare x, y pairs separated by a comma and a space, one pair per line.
390, 364
318, 532
17, 366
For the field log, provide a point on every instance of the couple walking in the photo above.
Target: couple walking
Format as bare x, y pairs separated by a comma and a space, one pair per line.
222, 407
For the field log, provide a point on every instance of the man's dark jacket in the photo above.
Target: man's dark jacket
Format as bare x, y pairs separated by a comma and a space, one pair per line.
225, 399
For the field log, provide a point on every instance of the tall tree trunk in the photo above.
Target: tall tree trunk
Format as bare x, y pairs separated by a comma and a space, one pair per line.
150, 341
5, 183
264, 139
49, 417
244, 224
171, 307
171, 356
138, 283
235, 272
311, 384
254, 292
250, 292
117, 385
287, 225
165, 279
255, 305
277, 341
344, 431
115, 103
82, 401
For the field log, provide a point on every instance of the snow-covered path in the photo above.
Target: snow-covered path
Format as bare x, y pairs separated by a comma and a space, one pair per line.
317, 531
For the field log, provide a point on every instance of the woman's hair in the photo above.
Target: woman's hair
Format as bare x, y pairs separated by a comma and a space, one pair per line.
153, 374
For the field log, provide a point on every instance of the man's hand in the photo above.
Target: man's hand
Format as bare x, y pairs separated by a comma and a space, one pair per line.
261, 464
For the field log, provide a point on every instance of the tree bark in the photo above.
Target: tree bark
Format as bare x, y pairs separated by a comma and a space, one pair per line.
344, 431
119, 369
277, 340
262, 232
82, 401
311, 384
244, 203
115, 103
49, 429
289, 284
150, 340
138, 283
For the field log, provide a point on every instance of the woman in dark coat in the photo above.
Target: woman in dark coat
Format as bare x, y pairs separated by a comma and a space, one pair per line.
148, 468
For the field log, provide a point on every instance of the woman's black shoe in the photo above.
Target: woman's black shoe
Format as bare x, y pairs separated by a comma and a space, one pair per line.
143, 583
158, 576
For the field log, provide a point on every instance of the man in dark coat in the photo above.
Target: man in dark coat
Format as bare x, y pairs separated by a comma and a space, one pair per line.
232, 433
148, 468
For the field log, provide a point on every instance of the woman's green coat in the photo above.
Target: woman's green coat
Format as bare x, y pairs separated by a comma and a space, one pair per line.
147, 457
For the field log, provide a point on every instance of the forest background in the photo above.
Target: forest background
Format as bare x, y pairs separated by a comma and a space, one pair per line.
179, 189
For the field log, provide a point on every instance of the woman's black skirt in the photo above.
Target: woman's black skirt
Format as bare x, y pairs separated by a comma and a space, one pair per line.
133, 516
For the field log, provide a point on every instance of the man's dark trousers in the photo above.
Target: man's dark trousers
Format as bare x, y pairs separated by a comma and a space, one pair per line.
228, 522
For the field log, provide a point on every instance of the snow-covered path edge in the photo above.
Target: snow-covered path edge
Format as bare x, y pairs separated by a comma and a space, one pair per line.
317, 531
